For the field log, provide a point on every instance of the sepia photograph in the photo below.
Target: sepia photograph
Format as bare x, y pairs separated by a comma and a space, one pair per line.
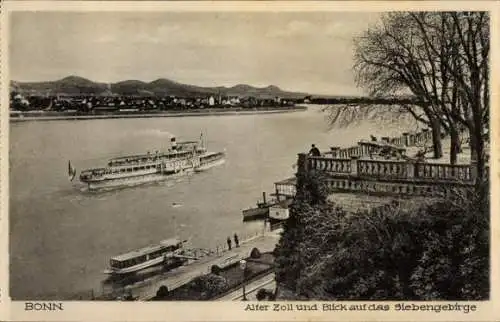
307, 158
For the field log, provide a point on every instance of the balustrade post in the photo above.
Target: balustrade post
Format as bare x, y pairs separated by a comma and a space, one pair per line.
473, 170
405, 139
334, 150
418, 137
354, 165
412, 139
410, 170
426, 133
364, 148
303, 163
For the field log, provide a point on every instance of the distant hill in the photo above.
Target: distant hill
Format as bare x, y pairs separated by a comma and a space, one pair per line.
74, 85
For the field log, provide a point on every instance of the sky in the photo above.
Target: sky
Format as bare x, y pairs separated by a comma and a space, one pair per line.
307, 51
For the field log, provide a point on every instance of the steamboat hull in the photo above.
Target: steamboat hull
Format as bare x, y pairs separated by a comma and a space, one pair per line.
204, 167
135, 180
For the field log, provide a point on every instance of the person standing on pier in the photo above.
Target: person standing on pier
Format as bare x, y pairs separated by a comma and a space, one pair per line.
229, 243
236, 240
314, 151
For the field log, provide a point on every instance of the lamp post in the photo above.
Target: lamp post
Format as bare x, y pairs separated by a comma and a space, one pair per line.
243, 266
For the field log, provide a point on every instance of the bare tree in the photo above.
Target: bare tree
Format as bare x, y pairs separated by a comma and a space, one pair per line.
467, 39
442, 59
389, 59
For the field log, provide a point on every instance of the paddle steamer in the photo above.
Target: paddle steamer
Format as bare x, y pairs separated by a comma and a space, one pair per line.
181, 158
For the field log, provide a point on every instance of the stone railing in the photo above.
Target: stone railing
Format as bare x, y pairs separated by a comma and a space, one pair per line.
444, 171
384, 169
387, 170
341, 166
366, 148
414, 139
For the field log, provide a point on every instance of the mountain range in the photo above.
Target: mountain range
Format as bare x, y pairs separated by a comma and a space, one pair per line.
74, 85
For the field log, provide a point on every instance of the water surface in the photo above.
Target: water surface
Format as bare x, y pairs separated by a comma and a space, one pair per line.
62, 237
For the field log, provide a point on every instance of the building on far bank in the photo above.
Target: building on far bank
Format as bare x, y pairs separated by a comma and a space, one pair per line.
211, 101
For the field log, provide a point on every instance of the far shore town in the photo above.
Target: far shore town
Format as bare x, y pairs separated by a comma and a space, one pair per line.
116, 103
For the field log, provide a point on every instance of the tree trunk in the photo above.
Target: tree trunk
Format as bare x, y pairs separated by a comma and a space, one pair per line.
437, 145
455, 144
478, 155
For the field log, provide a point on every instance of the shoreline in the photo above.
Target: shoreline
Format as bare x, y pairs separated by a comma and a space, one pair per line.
25, 117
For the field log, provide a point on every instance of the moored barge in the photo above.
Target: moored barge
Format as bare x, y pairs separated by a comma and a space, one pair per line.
166, 252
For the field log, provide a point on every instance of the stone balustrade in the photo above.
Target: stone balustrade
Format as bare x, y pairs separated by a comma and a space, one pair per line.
384, 169
352, 169
401, 188
387, 170
443, 171
365, 148
339, 166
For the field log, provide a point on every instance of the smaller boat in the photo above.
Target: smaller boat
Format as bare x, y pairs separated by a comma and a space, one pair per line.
259, 212
166, 252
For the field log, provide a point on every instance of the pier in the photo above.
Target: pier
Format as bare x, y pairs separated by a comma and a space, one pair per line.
144, 290
184, 274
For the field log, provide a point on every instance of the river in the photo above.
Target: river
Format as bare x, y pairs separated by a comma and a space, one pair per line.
61, 237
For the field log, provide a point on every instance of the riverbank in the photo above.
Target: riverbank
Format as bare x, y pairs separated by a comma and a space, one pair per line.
59, 116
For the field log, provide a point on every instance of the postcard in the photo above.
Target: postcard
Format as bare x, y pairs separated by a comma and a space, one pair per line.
249, 161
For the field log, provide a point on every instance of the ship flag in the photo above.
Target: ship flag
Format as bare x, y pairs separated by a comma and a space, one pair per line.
71, 171
173, 143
